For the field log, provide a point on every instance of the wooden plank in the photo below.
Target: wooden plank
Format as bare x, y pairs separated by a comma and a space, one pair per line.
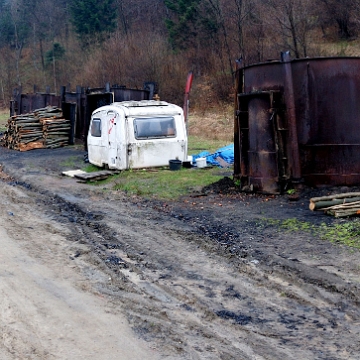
72, 173
222, 162
96, 175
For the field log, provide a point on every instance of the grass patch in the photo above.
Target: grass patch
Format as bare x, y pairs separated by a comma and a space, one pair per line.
165, 184
160, 183
346, 233
91, 168
4, 116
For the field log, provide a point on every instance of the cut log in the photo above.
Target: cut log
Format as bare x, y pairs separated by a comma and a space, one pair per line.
335, 196
31, 146
344, 213
326, 202
351, 205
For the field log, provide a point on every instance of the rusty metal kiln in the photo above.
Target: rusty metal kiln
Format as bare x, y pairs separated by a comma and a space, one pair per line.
298, 121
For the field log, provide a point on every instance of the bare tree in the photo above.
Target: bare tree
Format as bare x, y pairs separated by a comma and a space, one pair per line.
294, 19
21, 34
239, 16
356, 14
342, 14
142, 16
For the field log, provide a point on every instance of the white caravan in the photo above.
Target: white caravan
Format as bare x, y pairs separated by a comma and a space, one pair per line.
137, 134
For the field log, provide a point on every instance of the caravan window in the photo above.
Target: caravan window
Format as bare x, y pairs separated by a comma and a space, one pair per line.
154, 128
96, 127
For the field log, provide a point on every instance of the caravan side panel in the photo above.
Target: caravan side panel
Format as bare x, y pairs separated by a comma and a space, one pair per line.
153, 141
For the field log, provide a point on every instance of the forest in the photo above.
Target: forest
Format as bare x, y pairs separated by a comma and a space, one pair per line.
127, 42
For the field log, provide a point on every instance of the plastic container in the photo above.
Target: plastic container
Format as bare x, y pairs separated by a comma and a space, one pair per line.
175, 165
201, 162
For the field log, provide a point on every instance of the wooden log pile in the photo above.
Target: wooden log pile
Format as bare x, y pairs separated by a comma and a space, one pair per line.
338, 205
44, 128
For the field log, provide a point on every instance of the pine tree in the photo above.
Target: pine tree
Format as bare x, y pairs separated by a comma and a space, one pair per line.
93, 19
192, 21
184, 27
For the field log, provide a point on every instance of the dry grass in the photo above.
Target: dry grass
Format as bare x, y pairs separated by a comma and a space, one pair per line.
337, 48
213, 123
4, 115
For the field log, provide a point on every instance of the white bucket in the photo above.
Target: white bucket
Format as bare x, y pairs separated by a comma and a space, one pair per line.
201, 162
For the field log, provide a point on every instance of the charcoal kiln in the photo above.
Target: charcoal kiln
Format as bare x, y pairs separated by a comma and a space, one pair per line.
297, 121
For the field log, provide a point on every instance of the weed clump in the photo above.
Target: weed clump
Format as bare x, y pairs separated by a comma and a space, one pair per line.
346, 233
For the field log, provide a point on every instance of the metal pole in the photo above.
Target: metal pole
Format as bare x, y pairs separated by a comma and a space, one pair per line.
239, 82
294, 155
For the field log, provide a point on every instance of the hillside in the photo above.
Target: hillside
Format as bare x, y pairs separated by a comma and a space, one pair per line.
126, 42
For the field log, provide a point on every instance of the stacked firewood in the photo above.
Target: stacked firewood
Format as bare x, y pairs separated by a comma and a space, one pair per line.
23, 132
44, 128
56, 129
338, 205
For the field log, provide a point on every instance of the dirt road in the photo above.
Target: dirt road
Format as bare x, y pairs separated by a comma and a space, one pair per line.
49, 309
89, 273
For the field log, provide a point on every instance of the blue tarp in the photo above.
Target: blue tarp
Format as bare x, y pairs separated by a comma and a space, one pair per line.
226, 153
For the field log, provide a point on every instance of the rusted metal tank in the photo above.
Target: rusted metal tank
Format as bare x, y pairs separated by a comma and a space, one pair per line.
298, 121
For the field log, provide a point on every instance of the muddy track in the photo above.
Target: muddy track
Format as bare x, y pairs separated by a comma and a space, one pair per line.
207, 278
197, 291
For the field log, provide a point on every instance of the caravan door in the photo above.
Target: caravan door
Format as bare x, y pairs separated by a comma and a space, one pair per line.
111, 120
